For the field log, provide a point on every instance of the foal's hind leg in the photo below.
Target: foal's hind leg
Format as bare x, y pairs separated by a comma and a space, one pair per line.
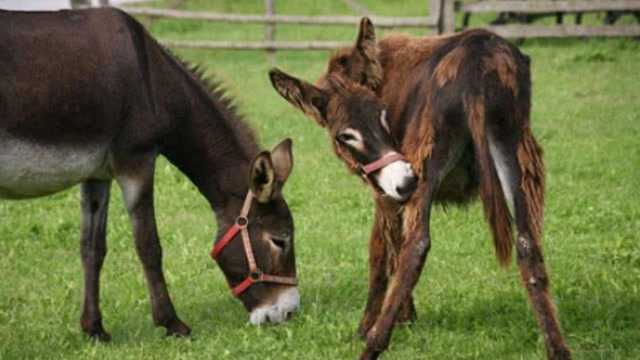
94, 204
135, 176
521, 172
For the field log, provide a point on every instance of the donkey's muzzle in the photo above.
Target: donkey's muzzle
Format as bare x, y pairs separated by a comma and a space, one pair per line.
406, 190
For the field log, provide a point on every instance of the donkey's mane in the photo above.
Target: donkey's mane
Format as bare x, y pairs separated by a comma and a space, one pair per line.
222, 101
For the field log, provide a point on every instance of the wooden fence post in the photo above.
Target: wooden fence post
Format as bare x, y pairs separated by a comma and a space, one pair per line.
269, 32
447, 19
80, 4
434, 12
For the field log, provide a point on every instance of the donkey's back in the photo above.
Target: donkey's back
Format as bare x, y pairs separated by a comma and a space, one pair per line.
66, 90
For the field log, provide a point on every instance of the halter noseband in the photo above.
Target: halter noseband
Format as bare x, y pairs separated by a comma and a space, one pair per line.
387, 159
365, 170
255, 274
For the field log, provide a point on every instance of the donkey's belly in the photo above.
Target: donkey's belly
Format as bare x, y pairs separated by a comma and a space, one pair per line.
30, 170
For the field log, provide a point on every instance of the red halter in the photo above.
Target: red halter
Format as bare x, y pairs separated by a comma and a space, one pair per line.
255, 274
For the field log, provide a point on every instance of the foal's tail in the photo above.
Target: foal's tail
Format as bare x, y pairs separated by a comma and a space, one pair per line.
496, 210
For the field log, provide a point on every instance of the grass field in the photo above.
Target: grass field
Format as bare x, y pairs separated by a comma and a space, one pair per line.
586, 115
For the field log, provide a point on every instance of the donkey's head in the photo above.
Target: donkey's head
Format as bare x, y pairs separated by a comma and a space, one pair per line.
260, 226
356, 121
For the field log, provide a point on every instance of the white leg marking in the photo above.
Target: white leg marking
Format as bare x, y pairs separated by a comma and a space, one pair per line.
286, 303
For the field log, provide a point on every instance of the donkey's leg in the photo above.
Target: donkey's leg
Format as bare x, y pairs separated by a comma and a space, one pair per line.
382, 260
135, 177
378, 276
94, 205
407, 313
521, 173
416, 243
384, 245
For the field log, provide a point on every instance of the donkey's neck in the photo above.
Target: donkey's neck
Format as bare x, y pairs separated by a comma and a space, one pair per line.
212, 147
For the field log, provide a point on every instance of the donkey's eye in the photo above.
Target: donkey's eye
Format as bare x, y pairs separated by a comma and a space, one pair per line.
346, 137
279, 242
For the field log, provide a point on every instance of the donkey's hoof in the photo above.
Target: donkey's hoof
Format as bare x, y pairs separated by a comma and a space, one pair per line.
363, 329
369, 354
561, 353
178, 329
95, 331
99, 336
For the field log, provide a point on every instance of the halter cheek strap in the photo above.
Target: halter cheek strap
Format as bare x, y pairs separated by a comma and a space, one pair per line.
255, 274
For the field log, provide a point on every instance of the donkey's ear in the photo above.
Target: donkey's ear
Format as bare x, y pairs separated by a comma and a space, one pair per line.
282, 158
306, 97
262, 177
366, 41
366, 68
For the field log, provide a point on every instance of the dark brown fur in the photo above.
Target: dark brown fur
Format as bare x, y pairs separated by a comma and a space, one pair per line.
96, 79
458, 107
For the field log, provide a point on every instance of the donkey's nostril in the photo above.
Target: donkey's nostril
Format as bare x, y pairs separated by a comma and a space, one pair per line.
407, 188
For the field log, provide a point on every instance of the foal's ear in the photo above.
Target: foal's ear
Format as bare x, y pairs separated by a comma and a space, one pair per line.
282, 158
367, 70
306, 97
366, 41
262, 177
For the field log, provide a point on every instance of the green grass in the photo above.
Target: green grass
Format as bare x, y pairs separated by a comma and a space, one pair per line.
586, 116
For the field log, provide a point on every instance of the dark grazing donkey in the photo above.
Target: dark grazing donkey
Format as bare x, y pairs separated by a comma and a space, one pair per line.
87, 97
458, 109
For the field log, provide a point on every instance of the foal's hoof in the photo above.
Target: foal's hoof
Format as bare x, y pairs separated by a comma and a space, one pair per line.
369, 355
178, 329
560, 353
363, 329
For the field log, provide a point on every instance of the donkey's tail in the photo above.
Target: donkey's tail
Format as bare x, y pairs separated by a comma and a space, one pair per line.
496, 210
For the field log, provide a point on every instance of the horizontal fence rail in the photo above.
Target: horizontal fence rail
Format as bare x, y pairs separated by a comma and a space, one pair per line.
563, 31
442, 19
257, 45
551, 6
379, 21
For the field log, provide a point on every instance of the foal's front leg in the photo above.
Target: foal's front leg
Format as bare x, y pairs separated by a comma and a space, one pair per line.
382, 256
94, 204
414, 246
135, 177
413, 253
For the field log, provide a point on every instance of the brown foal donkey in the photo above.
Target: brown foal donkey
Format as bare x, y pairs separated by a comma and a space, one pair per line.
458, 108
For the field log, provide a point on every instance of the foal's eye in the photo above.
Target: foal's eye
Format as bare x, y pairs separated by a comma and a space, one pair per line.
346, 137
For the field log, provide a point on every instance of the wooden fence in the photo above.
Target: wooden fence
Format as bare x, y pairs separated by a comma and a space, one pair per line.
270, 20
441, 19
556, 7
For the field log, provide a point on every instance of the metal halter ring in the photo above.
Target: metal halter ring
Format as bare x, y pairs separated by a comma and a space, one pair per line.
242, 222
256, 275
